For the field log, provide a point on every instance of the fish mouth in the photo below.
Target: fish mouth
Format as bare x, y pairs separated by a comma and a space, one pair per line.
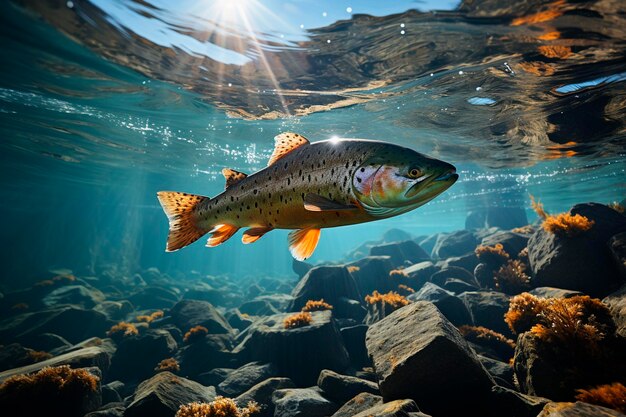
432, 185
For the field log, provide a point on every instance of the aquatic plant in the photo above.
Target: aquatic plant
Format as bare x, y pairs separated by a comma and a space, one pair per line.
391, 298
169, 364
617, 207
609, 395
313, 305
298, 320
406, 289
579, 320
51, 387
524, 230
38, 355
397, 273
150, 318
491, 254
487, 337
195, 333
511, 278
353, 268
220, 407
122, 329
564, 224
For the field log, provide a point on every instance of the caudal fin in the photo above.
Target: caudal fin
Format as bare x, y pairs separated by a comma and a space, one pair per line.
179, 208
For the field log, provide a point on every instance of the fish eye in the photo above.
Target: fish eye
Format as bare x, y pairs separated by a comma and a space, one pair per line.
414, 173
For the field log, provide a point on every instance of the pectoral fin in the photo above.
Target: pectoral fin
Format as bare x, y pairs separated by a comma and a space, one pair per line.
302, 242
220, 234
315, 202
253, 234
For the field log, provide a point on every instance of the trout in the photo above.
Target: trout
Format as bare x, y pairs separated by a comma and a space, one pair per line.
307, 187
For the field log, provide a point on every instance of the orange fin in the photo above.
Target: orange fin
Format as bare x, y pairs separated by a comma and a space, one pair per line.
253, 234
315, 202
232, 176
302, 242
220, 234
179, 208
285, 143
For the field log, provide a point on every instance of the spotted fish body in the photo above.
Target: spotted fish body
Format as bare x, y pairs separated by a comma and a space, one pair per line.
306, 187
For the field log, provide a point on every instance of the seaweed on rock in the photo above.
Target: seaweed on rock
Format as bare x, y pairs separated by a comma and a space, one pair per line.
121, 330
608, 395
169, 364
564, 224
220, 407
391, 298
301, 319
195, 333
316, 305
511, 278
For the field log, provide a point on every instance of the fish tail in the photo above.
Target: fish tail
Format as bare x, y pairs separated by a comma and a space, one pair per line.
180, 211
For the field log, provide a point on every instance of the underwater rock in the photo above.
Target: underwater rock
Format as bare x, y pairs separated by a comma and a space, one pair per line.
71, 323
137, 356
190, 313
261, 393
211, 351
115, 310
396, 235
400, 252
280, 302
458, 286
501, 372
452, 307
509, 402
551, 292
484, 273
299, 353
440, 277
577, 409
397, 408
454, 244
244, 378
48, 342
359, 403
341, 388
501, 217
325, 282
419, 273
617, 306
237, 320
300, 268
487, 309
111, 392
213, 377
258, 308
418, 354
154, 298
205, 293
354, 342
617, 245
467, 262
109, 410
583, 262
371, 273
164, 393
301, 402
77, 295
512, 243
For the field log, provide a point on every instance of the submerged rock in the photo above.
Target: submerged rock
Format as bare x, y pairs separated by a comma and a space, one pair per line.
577, 409
418, 354
454, 244
617, 245
354, 342
617, 306
488, 309
261, 393
164, 393
449, 304
371, 273
512, 243
340, 388
190, 313
211, 351
77, 295
583, 262
137, 356
361, 402
301, 402
299, 353
154, 298
244, 378
400, 252
397, 408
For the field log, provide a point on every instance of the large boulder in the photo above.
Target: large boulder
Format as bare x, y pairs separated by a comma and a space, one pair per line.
164, 393
454, 244
418, 354
583, 262
501, 217
450, 305
512, 243
330, 283
488, 309
354, 342
201, 356
341, 388
299, 353
577, 409
137, 356
371, 273
261, 393
617, 306
240, 380
190, 313
77, 295
301, 402
359, 403
397, 408
401, 252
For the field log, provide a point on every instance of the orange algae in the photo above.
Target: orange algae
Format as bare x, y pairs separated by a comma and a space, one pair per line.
169, 364
480, 333
353, 268
538, 68
122, 329
150, 318
301, 319
316, 305
562, 224
491, 253
38, 355
609, 395
195, 333
555, 51
220, 407
523, 313
397, 273
511, 278
391, 298
543, 16
525, 230
406, 289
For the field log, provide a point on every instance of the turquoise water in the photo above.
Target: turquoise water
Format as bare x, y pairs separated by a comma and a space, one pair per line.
104, 103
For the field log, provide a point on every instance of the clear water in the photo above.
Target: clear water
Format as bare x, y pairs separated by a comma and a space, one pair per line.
105, 102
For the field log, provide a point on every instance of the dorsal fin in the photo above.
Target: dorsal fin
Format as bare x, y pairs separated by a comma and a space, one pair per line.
232, 176
285, 143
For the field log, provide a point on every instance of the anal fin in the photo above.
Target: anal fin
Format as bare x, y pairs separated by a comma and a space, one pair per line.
220, 234
253, 234
302, 242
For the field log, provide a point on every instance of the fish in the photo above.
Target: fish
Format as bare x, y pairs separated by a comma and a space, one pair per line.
307, 187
